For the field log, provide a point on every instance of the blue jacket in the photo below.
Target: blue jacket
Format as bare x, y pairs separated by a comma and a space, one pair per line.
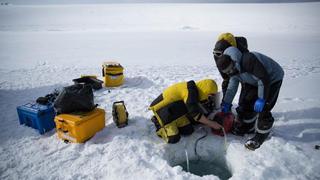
255, 69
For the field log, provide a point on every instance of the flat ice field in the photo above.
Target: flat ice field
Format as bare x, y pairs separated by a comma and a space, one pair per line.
45, 47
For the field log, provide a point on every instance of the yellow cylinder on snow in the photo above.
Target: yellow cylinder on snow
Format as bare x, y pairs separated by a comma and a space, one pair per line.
120, 114
113, 74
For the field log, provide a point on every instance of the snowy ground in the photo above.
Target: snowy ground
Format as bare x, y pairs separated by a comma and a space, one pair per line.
45, 47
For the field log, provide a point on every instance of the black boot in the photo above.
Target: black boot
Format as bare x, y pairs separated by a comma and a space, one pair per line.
240, 129
245, 123
255, 142
263, 128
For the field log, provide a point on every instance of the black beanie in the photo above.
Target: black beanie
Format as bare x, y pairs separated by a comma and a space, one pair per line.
223, 62
221, 45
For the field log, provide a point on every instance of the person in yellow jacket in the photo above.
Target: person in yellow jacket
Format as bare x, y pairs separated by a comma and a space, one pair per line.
182, 104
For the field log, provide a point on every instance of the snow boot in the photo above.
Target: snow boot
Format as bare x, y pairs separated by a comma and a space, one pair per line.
255, 142
245, 123
244, 126
240, 129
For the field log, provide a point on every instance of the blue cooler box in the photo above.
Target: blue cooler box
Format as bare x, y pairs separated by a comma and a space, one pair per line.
37, 116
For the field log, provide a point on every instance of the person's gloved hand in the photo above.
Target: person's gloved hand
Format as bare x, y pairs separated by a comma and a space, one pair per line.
259, 105
225, 107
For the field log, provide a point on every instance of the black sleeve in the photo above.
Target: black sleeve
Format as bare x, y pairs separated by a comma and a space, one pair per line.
193, 98
225, 78
252, 65
193, 104
225, 82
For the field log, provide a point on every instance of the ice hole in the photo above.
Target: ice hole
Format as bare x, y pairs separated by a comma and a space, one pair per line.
207, 167
210, 158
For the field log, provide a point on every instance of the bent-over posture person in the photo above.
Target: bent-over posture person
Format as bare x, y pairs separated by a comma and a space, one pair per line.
182, 104
261, 79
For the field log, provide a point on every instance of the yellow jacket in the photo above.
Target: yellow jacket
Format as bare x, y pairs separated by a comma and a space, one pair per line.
187, 92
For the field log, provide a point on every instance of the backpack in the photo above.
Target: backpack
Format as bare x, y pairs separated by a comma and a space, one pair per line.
242, 44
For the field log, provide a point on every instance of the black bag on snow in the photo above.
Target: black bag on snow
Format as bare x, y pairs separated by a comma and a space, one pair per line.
49, 98
93, 82
73, 98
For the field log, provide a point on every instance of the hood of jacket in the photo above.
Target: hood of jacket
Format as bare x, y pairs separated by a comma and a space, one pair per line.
235, 55
206, 87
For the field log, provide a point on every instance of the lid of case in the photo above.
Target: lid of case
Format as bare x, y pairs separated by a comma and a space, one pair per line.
79, 117
36, 107
112, 64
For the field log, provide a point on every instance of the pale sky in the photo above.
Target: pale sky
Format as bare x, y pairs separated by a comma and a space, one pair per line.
146, 1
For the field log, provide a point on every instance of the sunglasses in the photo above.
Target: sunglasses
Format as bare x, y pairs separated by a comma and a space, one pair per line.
211, 97
217, 53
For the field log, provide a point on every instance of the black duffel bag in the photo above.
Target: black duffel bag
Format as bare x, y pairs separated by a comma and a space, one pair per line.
93, 82
49, 98
74, 98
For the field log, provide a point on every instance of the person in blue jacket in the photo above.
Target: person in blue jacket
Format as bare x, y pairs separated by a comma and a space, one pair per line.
261, 78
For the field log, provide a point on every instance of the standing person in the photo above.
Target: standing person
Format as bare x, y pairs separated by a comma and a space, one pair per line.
224, 41
182, 104
261, 79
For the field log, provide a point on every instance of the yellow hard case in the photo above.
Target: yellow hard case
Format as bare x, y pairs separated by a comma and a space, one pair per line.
113, 74
79, 127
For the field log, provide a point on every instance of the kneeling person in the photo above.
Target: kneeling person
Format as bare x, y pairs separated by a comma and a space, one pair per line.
182, 104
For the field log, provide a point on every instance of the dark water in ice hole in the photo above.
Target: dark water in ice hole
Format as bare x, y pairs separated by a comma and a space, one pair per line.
205, 167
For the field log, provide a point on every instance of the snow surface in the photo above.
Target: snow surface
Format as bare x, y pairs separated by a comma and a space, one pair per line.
45, 47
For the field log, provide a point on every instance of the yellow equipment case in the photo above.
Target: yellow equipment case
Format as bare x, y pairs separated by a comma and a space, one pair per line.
81, 126
113, 74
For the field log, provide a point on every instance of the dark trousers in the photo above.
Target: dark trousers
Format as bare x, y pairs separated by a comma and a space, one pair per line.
248, 97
